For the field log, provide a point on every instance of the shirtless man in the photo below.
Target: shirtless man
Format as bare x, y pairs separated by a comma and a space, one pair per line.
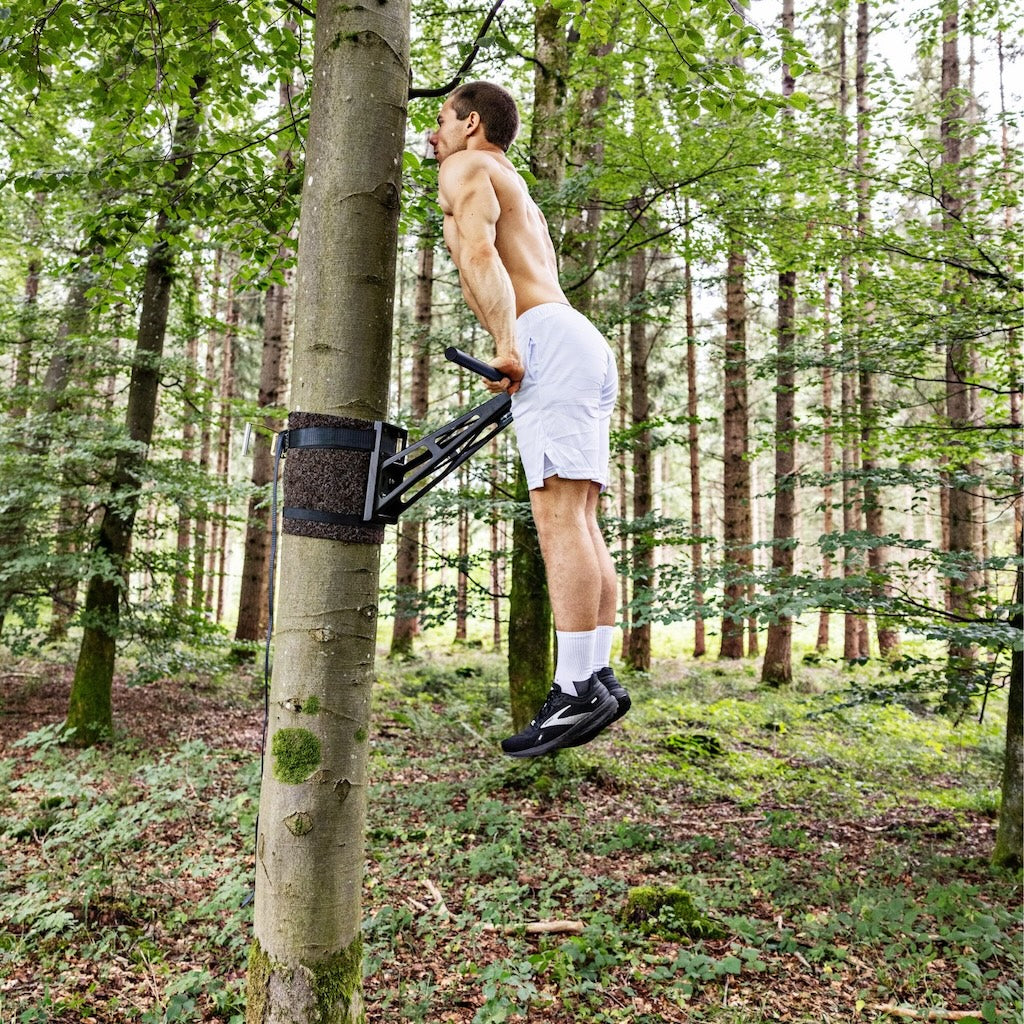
562, 376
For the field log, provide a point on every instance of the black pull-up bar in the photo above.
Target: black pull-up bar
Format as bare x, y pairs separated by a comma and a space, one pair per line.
408, 475
327, 493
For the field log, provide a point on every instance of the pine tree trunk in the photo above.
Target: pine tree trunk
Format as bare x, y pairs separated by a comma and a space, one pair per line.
28, 314
462, 580
305, 965
777, 667
407, 622
693, 445
736, 525
12, 516
90, 709
179, 586
579, 250
219, 553
1013, 344
964, 534
874, 513
1010, 833
547, 140
202, 523
827, 524
277, 327
638, 656
624, 501
253, 596
854, 631
497, 548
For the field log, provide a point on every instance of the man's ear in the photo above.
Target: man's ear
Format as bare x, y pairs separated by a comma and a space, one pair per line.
472, 122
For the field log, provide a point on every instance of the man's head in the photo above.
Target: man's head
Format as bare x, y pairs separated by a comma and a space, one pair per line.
477, 107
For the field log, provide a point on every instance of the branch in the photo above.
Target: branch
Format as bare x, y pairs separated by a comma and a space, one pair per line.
466, 64
911, 1014
300, 7
537, 928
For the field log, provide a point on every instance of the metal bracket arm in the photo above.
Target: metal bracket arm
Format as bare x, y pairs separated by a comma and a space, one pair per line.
398, 481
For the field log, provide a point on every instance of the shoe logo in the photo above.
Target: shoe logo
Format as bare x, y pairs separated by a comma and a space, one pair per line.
560, 718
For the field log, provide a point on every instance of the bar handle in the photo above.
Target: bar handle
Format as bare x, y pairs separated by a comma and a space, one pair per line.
455, 355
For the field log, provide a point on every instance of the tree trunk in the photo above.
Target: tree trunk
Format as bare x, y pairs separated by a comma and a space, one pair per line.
827, 524
305, 965
1010, 833
693, 445
547, 139
777, 667
736, 525
253, 597
530, 666
219, 552
199, 587
497, 547
462, 579
854, 628
1013, 345
624, 501
407, 622
273, 388
179, 586
874, 512
579, 250
960, 399
90, 711
638, 655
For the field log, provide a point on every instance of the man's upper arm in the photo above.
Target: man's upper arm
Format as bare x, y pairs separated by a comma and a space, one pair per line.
466, 186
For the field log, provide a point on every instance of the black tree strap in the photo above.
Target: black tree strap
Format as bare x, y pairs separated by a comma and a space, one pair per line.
350, 438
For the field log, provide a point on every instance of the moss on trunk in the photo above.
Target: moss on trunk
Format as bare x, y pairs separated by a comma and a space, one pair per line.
327, 991
90, 705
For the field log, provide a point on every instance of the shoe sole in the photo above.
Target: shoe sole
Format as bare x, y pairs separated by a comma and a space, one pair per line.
620, 710
607, 711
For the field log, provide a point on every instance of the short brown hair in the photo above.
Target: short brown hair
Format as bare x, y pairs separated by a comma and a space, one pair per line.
496, 107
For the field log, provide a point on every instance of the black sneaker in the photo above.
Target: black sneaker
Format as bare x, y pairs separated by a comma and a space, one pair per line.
607, 679
563, 718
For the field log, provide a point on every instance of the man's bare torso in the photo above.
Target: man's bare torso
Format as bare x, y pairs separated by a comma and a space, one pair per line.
488, 182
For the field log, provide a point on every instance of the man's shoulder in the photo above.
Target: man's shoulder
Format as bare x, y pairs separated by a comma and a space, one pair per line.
467, 161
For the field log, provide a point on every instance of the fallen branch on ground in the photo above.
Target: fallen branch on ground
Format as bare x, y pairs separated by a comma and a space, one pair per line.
912, 1014
537, 927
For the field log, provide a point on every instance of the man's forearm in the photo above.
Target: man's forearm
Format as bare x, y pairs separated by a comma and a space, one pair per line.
488, 290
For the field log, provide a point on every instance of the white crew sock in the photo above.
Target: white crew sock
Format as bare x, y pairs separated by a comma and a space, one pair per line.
603, 647
574, 660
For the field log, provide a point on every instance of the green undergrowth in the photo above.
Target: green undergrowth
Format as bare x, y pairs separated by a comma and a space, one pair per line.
848, 842
834, 860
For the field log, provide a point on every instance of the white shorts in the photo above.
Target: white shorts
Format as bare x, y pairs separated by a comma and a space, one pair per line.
563, 409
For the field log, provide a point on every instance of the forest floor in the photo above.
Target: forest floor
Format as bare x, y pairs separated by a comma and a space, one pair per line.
840, 853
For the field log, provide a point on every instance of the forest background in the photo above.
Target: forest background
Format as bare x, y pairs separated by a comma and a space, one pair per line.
799, 236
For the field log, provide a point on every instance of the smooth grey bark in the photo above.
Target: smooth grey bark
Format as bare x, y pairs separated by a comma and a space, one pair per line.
306, 962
